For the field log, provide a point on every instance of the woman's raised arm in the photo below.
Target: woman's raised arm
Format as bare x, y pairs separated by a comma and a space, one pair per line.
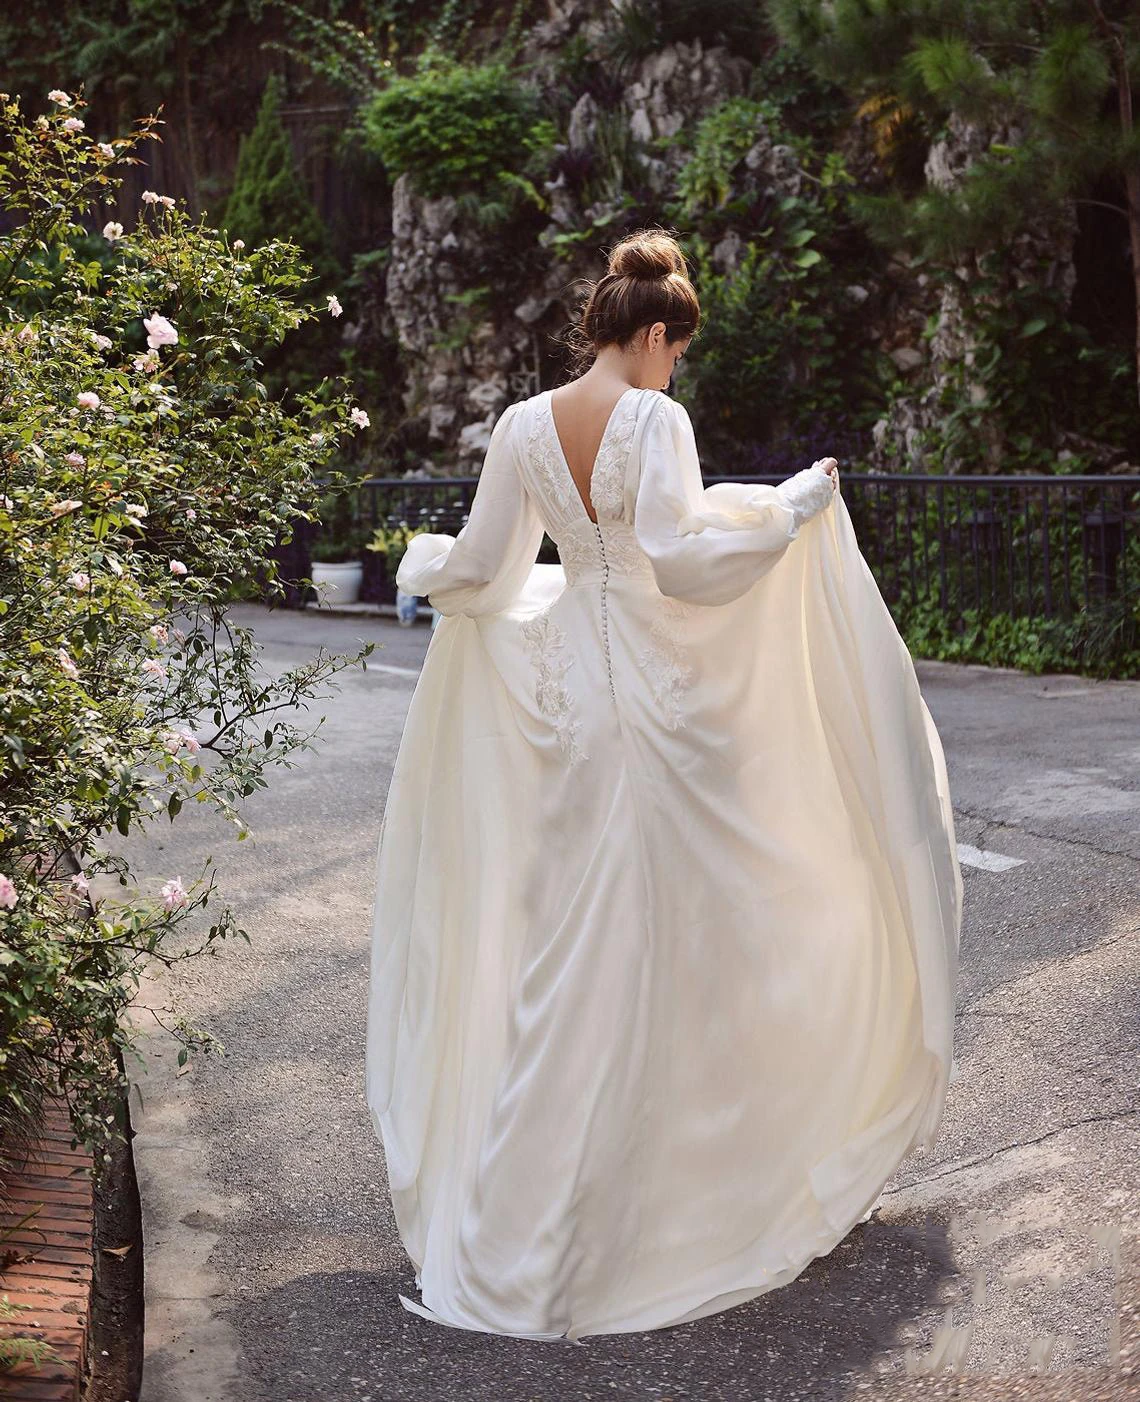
708, 545
483, 568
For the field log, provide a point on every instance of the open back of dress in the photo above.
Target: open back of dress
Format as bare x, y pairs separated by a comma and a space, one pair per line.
668, 901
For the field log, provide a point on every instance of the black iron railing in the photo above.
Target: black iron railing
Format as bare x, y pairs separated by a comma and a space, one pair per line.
1040, 546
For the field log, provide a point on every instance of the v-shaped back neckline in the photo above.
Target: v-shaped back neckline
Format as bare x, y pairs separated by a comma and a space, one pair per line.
597, 456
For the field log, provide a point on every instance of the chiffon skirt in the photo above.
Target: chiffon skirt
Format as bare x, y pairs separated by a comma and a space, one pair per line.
665, 944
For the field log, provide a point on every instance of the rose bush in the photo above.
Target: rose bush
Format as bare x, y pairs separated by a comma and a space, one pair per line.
145, 479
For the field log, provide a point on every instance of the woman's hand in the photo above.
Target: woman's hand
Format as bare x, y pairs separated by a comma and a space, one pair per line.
831, 467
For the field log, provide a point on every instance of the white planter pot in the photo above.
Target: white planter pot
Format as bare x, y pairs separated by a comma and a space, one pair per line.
337, 583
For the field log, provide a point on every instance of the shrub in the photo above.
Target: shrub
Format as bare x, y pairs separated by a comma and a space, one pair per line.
782, 344
455, 127
142, 488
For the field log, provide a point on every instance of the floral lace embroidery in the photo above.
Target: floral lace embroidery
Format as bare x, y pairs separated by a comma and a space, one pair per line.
577, 553
623, 551
544, 453
664, 662
608, 485
580, 549
807, 492
547, 641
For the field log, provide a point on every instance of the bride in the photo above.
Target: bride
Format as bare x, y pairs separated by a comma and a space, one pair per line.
668, 902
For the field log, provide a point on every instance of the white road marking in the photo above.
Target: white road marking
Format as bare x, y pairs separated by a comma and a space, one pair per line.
392, 670
987, 860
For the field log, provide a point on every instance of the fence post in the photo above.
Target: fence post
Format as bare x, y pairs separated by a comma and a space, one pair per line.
1103, 542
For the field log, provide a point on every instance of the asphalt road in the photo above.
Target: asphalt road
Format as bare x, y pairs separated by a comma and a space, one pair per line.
272, 1262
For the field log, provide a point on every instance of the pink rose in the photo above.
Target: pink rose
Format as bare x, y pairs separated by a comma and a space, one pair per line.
80, 885
153, 668
112, 231
177, 567
181, 739
158, 632
79, 581
174, 895
75, 459
73, 124
88, 399
360, 418
66, 665
8, 895
335, 307
159, 331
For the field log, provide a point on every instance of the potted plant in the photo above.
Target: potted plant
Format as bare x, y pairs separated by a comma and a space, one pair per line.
337, 568
391, 541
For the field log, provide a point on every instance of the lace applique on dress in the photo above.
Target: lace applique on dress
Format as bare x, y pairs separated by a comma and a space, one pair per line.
623, 549
577, 553
547, 643
608, 484
545, 455
807, 492
664, 661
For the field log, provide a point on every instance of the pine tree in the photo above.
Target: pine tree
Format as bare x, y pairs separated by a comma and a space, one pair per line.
268, 200
1059, 74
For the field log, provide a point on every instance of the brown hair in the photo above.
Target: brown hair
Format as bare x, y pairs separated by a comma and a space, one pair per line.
647, 280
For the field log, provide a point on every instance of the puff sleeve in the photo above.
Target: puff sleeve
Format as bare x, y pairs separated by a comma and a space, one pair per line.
708, 545
484, 568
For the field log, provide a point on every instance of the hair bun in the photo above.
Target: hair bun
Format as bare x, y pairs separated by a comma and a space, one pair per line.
648, 255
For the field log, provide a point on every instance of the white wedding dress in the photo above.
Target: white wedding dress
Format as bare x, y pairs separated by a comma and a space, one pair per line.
668, 900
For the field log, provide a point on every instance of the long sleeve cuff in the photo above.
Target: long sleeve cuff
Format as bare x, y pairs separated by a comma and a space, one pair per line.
807, 492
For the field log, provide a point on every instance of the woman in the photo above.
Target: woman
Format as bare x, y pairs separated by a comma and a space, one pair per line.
668, 901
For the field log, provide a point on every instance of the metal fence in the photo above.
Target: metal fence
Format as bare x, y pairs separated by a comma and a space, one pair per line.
1040, 546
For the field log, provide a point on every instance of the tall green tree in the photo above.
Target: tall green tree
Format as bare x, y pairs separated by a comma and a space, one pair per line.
1053, 81
268, 200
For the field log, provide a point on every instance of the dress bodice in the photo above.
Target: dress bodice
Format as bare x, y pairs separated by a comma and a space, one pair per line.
588, 549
